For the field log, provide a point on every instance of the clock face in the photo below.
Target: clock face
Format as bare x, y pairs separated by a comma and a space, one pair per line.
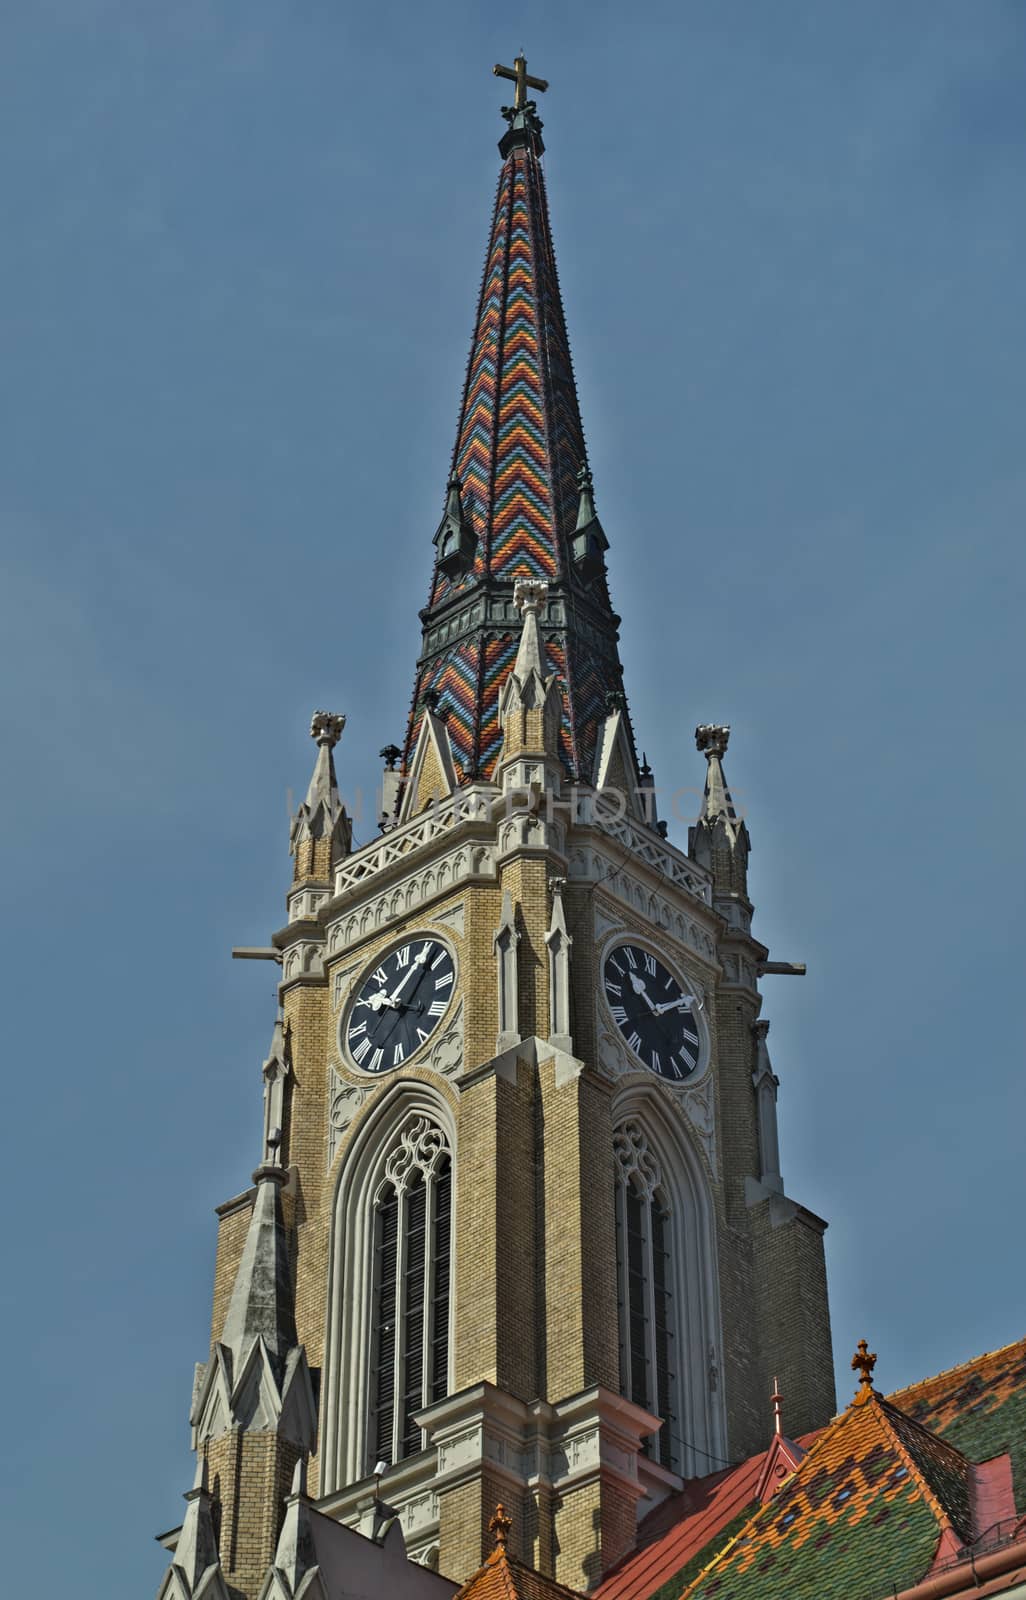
399, 1005
655, 1013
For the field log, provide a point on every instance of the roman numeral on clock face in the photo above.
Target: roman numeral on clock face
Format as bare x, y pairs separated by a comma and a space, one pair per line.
650, 964
619, 1016
437, 1008
402, 957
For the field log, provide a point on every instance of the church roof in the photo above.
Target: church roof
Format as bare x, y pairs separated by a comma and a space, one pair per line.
515, 490
504, 1578
889, 1489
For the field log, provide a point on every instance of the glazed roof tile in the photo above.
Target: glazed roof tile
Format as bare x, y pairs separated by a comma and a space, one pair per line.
980, 1407
518, 455
859, 1504
504, 1578
880, 1489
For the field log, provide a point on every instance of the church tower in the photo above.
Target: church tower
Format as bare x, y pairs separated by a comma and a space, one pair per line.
519, 1232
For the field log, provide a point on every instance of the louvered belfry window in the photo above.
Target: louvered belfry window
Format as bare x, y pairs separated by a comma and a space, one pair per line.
648, 1354
412, 1268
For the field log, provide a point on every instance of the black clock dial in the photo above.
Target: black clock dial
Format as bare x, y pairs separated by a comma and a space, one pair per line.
399, 1005
655, 1013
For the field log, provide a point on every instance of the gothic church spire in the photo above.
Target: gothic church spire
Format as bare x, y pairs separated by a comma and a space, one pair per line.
517, 492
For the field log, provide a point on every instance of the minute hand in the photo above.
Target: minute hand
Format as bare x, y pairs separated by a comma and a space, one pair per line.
418, 961
676, 1005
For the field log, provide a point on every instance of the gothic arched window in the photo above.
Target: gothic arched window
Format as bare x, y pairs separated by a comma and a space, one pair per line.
409, 1347
646, 1292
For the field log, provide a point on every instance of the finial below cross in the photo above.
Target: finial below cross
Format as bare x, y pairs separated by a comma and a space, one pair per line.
500, 1526
517, 74
863, 1363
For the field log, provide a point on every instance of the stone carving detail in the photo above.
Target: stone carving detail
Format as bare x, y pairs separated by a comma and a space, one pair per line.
667, 861
472, 860
637, 1163
302, 958
422, 1144
699, 1107
397, 846
655, 909
346, 1100
463, 1449
446, 1054
453, 918
695, 1103
342, 983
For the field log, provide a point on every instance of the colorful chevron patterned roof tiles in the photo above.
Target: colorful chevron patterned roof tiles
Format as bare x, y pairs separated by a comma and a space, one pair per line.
519, 450
891, 1488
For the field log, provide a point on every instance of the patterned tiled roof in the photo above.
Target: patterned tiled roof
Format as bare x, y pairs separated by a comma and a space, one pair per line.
504, 1578
519, 449
858, 1504
980, 1407
868, 1506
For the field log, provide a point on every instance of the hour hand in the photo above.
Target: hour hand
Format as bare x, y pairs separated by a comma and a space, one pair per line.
638, 985
377, 1001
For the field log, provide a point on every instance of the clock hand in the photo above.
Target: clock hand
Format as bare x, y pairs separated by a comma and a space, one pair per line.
377, 1001
637, 984
418, 961
676, 1005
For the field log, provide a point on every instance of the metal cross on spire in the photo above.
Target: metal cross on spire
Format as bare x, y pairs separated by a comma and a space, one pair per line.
517, 74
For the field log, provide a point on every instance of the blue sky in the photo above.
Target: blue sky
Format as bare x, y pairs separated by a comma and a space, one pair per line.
241, 250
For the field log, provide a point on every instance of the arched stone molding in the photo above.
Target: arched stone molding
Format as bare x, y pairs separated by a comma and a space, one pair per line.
375, 1138
666, 1162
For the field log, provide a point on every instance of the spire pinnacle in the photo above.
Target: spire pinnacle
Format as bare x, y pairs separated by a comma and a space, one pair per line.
712, 740
261, 1306
778, 1407
321, 831
455, 539
589, 543
196, 1551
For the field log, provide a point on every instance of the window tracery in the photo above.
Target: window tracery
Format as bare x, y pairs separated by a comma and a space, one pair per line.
411, 1272
646, 1287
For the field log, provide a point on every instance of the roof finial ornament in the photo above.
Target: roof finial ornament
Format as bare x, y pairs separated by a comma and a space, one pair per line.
326, 727
863, 1362
500, 1525
778, 1407
518, 75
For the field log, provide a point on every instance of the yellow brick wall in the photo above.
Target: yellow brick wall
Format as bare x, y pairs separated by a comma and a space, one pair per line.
250, 1475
